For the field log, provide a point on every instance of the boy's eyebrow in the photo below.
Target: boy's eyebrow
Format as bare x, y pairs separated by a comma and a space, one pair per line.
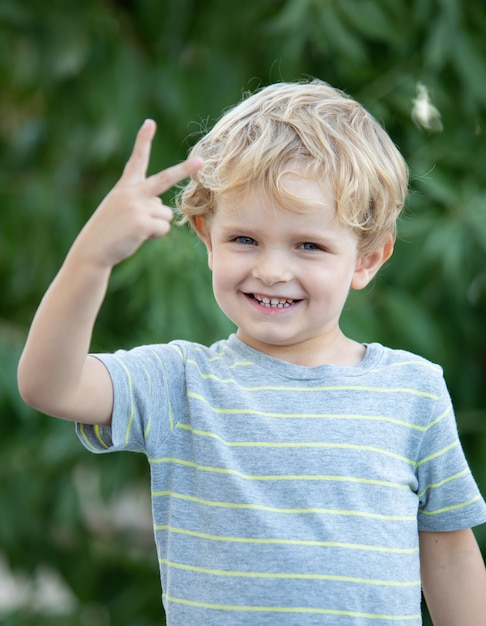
310, 235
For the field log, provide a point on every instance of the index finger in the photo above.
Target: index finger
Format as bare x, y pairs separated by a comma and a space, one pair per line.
136, 168
164, 180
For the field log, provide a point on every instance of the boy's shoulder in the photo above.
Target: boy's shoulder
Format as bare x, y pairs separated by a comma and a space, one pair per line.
408, 368
392, 356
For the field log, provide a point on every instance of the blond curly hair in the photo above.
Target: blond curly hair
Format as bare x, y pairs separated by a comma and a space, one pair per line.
314, 130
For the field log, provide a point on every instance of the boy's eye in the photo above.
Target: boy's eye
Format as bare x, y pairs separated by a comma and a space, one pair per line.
247, 241
307, 245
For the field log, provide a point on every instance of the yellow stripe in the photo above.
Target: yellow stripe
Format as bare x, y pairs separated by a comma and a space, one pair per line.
407, 390
453, 507
85, 437
439, 453
178, 350
273, 444
286, 576
231, 367
132, 407
286, 542
351, 416
220, 355
261, 507
440, 418
217, 357
256, 477
99, 437
291, 610
443, 482
427, 364
239, 364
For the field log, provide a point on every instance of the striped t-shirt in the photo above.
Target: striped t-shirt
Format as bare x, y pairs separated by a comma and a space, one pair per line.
290, 495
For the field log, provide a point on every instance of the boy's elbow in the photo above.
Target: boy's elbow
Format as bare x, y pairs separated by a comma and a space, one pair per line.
24, 391
29, 396
37, 395
85, 397
28, 387
34, 388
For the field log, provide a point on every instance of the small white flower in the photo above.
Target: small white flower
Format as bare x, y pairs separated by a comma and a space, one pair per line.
424, 113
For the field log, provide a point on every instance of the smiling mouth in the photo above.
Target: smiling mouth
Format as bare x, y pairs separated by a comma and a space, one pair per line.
272, 303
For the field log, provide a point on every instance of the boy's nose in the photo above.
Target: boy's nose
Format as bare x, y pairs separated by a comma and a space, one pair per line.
272, 268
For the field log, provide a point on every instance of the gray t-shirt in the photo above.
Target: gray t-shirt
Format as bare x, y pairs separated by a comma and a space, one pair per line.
287, 494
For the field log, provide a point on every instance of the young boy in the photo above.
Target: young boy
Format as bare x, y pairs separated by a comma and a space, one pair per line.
298, 476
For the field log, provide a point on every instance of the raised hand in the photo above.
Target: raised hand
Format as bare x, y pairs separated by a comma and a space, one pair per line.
56, 375
132, 212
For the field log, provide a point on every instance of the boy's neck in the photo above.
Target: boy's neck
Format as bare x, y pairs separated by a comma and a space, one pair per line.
340, 351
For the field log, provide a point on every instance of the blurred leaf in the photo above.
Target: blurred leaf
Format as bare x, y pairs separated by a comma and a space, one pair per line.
77, 81
437, 48
369, 18
471, 64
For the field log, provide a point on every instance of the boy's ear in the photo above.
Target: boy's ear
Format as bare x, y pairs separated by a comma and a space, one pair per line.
368, 264
203, 234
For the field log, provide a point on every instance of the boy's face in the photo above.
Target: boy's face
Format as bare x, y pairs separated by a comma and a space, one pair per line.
283, 277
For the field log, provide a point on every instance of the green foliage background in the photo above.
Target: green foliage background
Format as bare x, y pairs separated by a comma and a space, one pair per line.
77, 79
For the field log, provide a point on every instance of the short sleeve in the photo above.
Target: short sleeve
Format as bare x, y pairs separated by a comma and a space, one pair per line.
149, 391
449, 498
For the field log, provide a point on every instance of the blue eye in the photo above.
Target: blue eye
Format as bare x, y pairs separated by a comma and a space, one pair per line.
309, 246
246, 241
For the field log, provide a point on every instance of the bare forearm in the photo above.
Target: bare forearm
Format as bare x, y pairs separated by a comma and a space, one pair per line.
453, 578
54, 360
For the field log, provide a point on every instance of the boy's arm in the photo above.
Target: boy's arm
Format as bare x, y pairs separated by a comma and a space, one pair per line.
453, 578
55, 373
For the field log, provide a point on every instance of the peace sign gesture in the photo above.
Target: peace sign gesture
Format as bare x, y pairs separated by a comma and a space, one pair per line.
133, 212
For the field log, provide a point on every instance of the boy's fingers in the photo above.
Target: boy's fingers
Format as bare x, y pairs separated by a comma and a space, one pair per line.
161, 182
137, 165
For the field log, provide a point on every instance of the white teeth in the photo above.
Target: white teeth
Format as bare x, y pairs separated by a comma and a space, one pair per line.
279, 303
